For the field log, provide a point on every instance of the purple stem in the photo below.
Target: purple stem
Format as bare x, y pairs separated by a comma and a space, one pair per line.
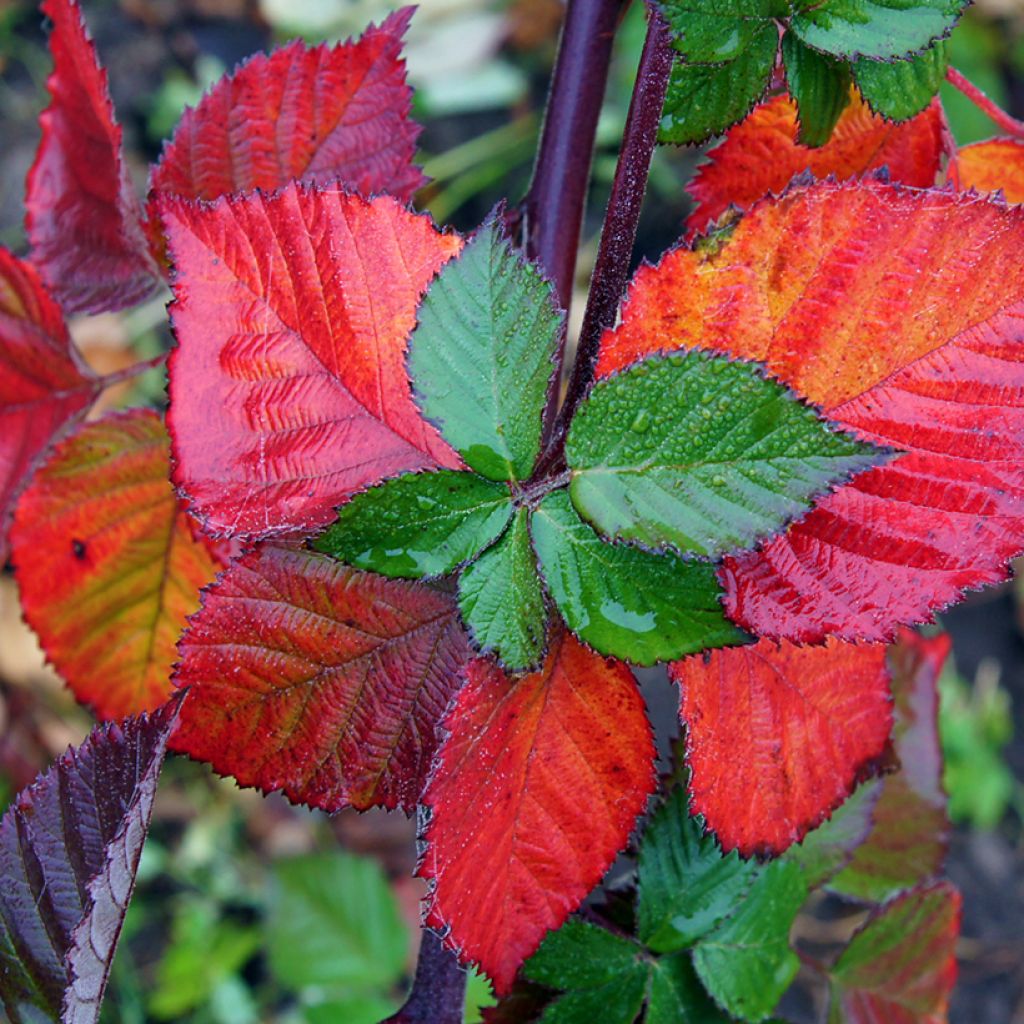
618, 235
439, 991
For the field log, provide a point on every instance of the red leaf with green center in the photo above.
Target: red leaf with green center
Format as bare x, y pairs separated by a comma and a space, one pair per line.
44, 385
535, 791
83, 218
288, 388
761, 154
107, 563
320, 114
778, 735
312, 678
901, 314
69, 849
901, 966
990, 166
907, 842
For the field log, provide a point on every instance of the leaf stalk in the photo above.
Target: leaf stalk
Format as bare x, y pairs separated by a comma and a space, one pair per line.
987, 106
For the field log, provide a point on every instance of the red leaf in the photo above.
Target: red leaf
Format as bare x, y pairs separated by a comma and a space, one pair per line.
69, 849
900, 967
288, 389
535, 791
990, 166
309, 677
901, 314
907, 842
107, 564
44, 385
761, 154
82, 216
320, 114
778, 735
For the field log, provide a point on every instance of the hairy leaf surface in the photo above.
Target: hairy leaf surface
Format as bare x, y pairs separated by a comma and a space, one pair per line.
804, 722
502, 599
69, 849
827, 288
762, 155
317, 680
536, 790
44, 384
288, 388
901, 966
108, 564
910, 830
320, 114
625, 602
990, 166
700, 454
420, 524
481, 357
83, 218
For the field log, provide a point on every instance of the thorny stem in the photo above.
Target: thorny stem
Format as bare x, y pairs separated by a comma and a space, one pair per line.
1007, 123
135, 370
439, 990
618, 234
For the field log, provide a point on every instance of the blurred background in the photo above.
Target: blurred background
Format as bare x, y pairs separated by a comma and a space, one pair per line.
247, 909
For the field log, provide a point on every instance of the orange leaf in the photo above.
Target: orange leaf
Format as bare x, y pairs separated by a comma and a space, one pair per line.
761, 154
900, 313
107, 563
778, 735
535, 791
992, 165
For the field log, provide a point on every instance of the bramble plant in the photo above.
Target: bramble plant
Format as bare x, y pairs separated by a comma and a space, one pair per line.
376, 554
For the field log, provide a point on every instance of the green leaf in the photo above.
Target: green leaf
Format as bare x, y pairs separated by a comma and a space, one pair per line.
686, 886
706, 99
419, 524
904, 88
333, 921
821, 87
746, 963
676, 996
481, 356
622, 601
502, 601
716, 31
698, 453
368, 1009
882, 29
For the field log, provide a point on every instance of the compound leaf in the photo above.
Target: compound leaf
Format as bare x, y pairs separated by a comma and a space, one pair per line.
625, 602
997, 164
907, 841
820, 86
536, 790
746, 963
44, 385
903, 88
502, 599
762, 155
108, 564
699, 454
882, 29
83, 219
288, 388
346, 112
686, 884
805, 722
825, 286
705, 99
717, 31
317, 680
900, 967
69, 849
419, 524
481, 357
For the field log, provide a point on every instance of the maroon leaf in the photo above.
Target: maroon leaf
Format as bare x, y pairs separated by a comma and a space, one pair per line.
82, 216
69, 849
